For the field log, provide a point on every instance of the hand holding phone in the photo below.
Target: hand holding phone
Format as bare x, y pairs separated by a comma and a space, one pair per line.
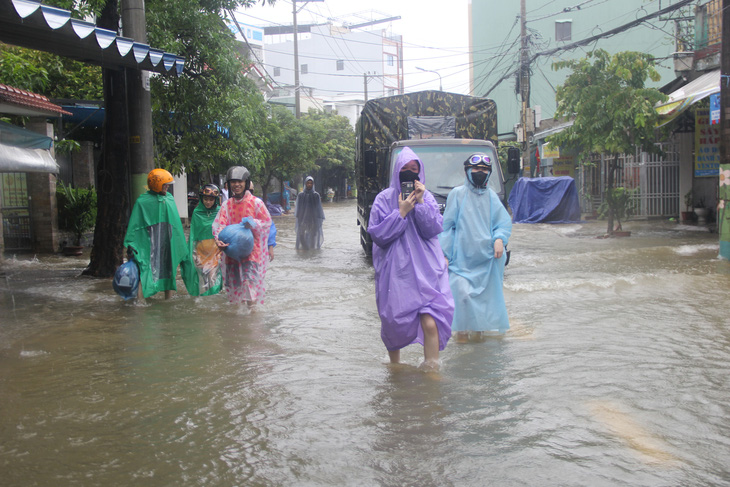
406, 189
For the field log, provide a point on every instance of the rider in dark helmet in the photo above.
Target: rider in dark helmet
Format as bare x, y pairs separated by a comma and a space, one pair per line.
207, 278
244, 279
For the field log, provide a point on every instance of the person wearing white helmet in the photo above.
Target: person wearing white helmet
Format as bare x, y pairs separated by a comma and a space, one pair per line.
244, 280
477, 228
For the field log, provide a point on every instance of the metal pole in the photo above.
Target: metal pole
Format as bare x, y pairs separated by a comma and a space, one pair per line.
365, 85
436, 73
724, 200
297, 106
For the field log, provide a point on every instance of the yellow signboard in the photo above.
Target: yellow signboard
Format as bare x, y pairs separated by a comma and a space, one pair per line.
707, 145
564, 166
550, 152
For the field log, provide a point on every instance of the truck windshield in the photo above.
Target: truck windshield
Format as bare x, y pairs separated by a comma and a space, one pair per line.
445, 167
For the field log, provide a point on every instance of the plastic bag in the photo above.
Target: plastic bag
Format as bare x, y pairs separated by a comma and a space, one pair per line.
239, 237
126, 280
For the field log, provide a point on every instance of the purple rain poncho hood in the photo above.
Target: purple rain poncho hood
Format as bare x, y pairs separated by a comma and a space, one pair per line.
474, 218
411, 277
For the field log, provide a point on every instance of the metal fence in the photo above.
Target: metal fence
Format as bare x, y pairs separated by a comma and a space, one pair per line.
17, 233
655, 177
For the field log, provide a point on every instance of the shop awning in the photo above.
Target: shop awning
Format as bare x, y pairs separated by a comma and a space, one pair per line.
689, 94
551, 131
18, 159
30, 24
24, 151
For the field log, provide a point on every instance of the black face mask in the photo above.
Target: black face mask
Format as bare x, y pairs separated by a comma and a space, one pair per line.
408, 176
479, 178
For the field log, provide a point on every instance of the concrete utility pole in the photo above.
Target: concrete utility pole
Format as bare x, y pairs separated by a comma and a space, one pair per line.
139, 104
724, 191
525, 118
296, 61
297, 103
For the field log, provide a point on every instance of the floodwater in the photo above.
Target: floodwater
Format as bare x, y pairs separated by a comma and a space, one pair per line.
615, 372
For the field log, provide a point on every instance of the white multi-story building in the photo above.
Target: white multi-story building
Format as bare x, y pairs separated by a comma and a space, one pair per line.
338, 68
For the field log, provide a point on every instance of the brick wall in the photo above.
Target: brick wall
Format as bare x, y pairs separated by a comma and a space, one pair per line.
42, 192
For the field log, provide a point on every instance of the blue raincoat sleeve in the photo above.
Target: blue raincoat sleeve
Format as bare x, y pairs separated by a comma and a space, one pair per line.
272, 235
451, 213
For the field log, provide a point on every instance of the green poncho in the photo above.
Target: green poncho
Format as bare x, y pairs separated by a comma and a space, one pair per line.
157, 237
205, 278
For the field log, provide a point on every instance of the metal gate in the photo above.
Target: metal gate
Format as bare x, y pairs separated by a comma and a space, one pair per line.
17, 233
655, 176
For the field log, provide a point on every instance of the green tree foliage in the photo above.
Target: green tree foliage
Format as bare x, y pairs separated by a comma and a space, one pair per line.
211, 116
48, 74
336, 158
76, 210
290, 146
612, 109
22, 68
502, 152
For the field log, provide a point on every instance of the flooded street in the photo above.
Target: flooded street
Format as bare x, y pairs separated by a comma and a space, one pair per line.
615, 372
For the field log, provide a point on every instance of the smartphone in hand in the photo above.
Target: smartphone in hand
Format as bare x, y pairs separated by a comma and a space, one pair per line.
406, 188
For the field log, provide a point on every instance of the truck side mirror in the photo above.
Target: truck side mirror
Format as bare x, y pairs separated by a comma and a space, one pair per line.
513, 160
370, 164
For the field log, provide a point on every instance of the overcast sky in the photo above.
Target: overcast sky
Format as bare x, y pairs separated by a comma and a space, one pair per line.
435, 33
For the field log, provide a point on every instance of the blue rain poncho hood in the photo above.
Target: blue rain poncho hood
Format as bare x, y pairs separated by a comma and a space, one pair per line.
474, 218
410, 273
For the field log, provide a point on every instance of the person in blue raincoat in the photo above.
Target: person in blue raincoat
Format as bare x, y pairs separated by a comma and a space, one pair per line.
477, 228
411, 279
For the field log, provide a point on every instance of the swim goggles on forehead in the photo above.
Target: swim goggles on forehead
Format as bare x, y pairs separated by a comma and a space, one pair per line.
477, 159
208, 191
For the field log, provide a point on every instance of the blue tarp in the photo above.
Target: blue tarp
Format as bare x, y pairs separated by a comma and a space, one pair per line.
545, 200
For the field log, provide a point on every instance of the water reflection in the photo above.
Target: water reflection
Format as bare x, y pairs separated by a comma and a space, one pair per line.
614, 373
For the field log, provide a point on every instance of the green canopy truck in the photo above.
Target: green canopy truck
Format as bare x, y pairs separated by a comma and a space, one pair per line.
442, 128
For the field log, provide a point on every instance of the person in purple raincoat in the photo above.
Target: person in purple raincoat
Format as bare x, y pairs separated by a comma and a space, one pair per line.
411, 278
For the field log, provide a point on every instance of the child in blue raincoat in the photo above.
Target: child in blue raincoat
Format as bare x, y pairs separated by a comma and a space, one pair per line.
477, 228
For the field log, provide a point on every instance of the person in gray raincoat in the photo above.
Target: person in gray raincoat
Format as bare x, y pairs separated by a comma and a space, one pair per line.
310, 215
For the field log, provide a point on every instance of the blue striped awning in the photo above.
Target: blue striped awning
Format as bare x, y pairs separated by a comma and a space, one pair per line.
30, 24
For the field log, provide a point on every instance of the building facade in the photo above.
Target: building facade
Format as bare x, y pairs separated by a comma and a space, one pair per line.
495, 40
336, 63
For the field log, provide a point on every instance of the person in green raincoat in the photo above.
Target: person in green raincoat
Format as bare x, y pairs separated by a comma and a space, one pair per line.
206, 278
155, 238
